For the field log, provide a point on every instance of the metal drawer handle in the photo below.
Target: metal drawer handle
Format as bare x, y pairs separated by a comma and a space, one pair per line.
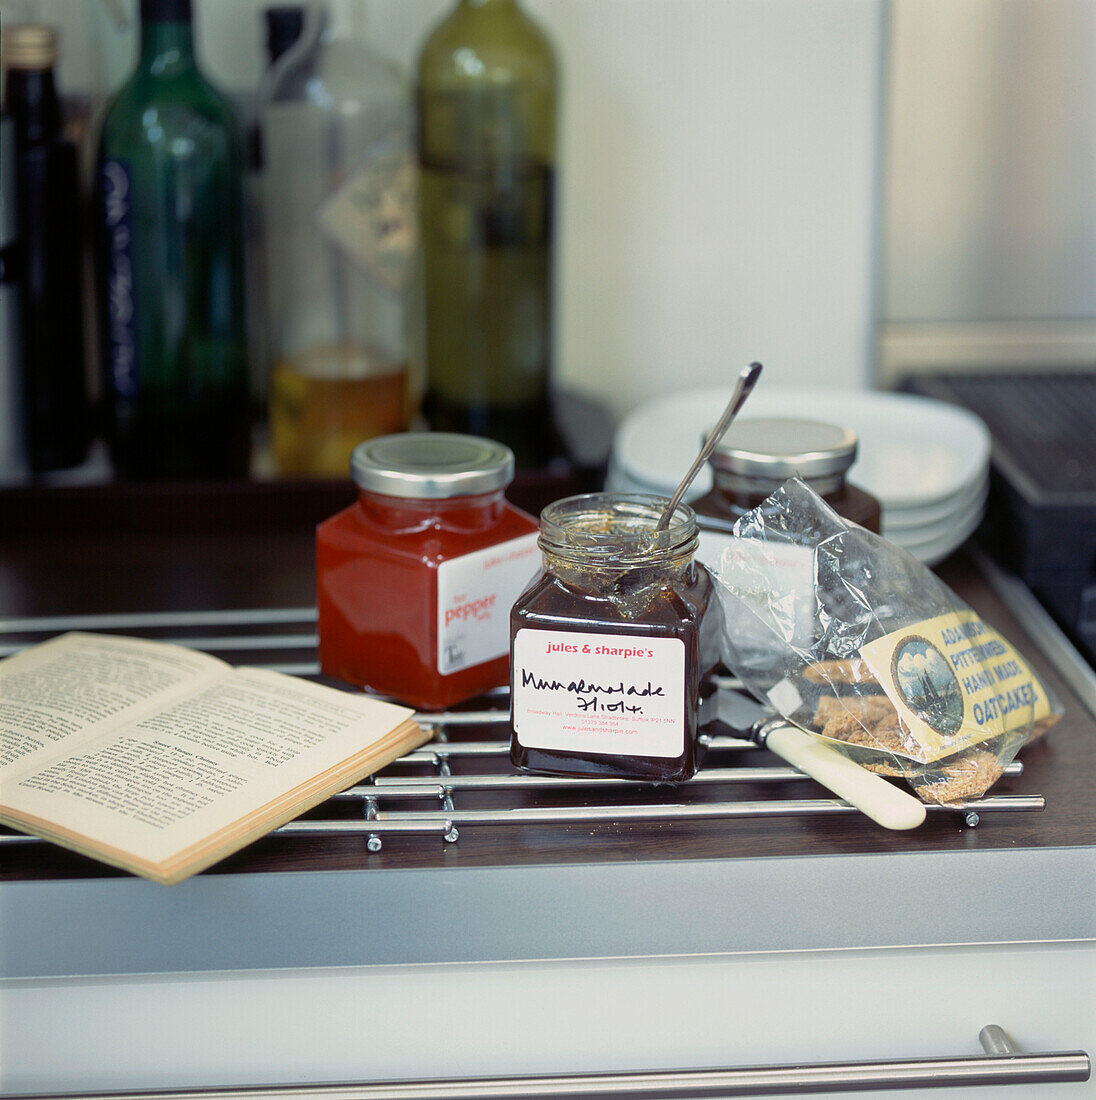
1002, 1064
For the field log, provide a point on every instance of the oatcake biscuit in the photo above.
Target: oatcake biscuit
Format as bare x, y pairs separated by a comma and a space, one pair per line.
863, 711
967, 776
880, 741
853, 671
869, 723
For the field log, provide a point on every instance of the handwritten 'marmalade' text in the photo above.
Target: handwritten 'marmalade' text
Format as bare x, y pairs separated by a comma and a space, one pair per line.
590, 695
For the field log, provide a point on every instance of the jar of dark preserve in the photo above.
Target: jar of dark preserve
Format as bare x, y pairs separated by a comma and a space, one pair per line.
758, 455
610, 642
415, 581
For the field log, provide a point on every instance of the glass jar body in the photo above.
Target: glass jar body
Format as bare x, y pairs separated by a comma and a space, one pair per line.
607, 656
412, 593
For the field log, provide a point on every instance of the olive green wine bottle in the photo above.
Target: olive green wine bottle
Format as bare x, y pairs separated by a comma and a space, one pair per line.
170, 214
487, 89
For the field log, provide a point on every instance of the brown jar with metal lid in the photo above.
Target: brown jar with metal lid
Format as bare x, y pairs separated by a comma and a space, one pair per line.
610, 643
757, 456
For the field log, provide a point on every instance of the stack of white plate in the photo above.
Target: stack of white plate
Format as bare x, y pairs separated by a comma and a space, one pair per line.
926, 461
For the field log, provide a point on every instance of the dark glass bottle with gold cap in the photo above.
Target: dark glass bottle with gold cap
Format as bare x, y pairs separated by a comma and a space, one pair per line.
486, 114
57, 423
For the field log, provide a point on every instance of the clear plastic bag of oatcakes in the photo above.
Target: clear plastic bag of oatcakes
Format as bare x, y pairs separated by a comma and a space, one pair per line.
853, 639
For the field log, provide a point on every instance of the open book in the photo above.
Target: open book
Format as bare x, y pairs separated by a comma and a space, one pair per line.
162, 761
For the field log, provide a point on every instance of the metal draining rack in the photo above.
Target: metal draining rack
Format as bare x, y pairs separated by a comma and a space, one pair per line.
467, 762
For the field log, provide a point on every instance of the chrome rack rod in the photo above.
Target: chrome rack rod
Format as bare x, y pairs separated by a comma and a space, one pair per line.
430, 752
249, 643
446, 821
416, 786
146, 620
391, 786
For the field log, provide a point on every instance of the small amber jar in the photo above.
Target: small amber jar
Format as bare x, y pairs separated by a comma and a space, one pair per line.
415, 581
758, 455
610, 642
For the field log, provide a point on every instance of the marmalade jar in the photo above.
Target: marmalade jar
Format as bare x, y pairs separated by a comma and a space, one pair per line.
609, 643
416, 579
758, 455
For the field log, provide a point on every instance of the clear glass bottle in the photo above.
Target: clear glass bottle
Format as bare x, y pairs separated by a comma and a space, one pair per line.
170, 217
415, 580
55, 394
283, 25
487, 86
610, 642
758, 455
341, 239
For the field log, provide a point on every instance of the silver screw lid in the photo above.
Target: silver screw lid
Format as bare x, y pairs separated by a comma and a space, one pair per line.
431, 465
781, 447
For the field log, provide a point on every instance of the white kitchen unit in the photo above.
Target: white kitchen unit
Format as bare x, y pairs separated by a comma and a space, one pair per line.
264, 979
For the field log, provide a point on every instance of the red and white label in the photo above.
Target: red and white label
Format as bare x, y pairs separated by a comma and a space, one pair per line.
475, 594
617, 694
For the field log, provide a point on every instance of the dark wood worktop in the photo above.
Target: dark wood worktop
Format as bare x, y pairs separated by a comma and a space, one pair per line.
126, 549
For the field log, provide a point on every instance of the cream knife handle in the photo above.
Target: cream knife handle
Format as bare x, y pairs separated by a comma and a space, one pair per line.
883, 802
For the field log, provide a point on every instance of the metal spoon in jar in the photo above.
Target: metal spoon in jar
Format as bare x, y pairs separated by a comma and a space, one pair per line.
746, 382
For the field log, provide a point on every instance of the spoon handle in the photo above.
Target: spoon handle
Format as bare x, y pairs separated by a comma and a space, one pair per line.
746, 382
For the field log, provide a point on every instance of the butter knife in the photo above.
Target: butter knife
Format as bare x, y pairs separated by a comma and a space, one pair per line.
874, 796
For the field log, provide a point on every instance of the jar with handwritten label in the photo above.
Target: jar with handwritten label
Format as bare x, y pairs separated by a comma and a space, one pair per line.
609, 643
415, 581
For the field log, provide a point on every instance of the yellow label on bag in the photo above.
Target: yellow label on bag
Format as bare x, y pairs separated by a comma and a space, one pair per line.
956, 682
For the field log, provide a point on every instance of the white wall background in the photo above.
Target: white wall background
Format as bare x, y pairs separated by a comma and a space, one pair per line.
717, 174
990, 190
989, 186
805, 182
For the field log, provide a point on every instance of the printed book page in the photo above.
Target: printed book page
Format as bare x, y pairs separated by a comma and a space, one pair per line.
55, 693
195, 768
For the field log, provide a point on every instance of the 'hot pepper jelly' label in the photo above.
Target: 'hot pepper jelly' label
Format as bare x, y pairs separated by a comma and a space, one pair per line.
475, 594
616, 694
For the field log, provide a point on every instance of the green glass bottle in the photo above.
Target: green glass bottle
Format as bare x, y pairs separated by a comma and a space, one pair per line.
169, 206
487, 86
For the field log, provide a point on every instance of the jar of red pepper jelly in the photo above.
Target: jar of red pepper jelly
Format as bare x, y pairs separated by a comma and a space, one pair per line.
415, 581
610, 642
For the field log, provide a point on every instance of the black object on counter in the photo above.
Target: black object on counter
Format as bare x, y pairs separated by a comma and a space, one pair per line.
57, 409
1041, 513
